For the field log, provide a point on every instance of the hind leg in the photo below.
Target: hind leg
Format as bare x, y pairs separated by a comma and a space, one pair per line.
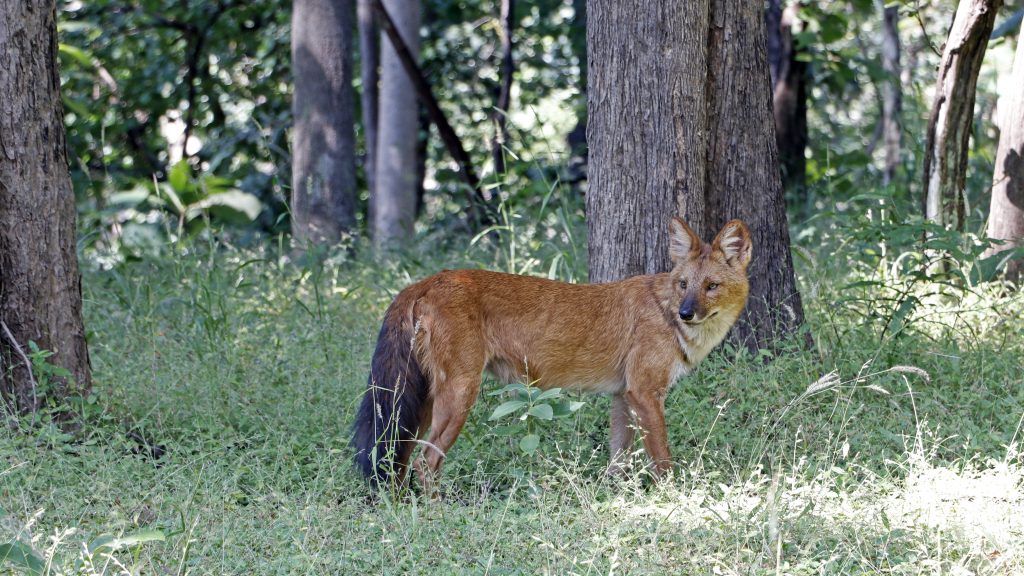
452, 402
409, 447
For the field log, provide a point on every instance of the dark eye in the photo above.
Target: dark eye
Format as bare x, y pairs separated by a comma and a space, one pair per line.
683, 284
712, 286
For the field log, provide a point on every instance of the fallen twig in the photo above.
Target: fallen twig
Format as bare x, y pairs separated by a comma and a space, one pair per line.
24, 358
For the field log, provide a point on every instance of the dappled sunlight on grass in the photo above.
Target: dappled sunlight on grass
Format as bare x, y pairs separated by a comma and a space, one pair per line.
983, 504
960, 517
883, 450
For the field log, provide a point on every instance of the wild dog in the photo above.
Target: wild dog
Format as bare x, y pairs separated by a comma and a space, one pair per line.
632, 339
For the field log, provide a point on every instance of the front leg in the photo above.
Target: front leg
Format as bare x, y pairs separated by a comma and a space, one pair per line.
621, 436
646, 396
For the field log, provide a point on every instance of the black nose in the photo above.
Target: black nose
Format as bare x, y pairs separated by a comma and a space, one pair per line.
686, 313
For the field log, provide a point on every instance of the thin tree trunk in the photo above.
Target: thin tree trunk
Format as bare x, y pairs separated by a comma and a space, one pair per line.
1006, 216
40, 285
323, 164
504, 96
681, 123
394, 204
477, 207
790, 105
369, 54
892, 93
949, 126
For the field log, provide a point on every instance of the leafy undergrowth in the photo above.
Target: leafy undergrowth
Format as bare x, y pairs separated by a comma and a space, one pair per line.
217, 443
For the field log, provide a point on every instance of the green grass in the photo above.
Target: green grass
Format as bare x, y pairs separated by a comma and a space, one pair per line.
246, 369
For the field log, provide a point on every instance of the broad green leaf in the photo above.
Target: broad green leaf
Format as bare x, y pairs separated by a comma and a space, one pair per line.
505, 430
112, 543
216, 184
22, 557
234, 206
100, 542
506, 409
566, 407
542, 411
173, 196
131, 197
561, 409
179, 175
548, 394
513, 387
529, 443
76, 54
899, 318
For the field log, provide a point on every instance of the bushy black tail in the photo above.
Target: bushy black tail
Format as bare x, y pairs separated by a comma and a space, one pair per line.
389, 416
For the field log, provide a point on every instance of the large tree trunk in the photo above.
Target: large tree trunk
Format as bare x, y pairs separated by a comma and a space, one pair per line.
681, 123
40, 285
504, 93
790, 104
1006, 217
743, 179
393, 205
323, 164
369, 56
892, 93
646, 125
949, 126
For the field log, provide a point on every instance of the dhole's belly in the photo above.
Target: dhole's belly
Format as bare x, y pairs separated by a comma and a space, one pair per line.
584, 379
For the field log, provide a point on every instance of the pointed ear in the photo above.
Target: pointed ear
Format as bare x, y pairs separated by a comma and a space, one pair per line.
734, 242
683, 242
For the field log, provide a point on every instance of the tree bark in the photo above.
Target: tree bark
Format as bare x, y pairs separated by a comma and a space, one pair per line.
504, 95
323, 160
40, 284
394, 204
952, 115
1006, 216
892, 94
369, 54
743, 179
790, 105
681, 123
646, 126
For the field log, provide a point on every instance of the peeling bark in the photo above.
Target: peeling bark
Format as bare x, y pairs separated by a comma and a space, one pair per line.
952, 115
1006, 216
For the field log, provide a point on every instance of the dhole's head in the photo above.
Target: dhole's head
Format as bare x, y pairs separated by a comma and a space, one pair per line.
710, 280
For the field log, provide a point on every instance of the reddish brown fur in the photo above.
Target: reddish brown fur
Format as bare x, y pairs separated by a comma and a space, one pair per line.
625, 338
